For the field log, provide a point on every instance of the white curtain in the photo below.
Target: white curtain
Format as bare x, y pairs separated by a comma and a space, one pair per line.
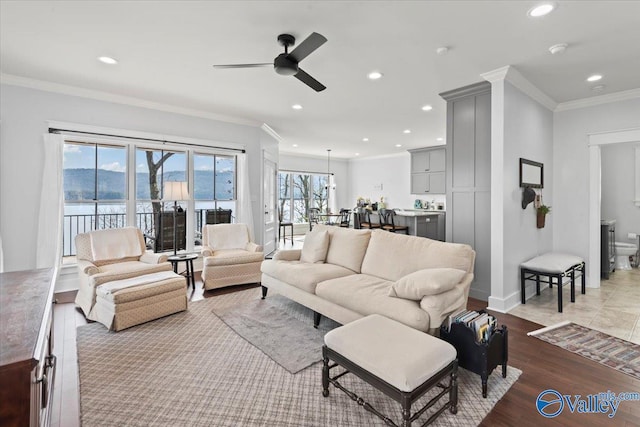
245, 210
49, 241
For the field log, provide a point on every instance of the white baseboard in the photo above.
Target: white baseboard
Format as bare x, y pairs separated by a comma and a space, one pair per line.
504, 305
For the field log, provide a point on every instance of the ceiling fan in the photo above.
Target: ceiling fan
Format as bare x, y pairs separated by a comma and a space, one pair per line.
286, 63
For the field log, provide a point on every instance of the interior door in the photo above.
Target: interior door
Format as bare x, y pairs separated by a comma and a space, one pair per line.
270, 204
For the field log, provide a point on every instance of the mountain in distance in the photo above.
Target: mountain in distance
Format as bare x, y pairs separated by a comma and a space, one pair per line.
80, 184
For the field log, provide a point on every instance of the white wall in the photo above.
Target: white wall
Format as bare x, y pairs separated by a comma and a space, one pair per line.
528, 133
393, 172
618, 192
339, 168
23, 114
571, 169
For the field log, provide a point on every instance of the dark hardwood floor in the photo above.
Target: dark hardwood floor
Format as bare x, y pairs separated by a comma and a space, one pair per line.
544, 366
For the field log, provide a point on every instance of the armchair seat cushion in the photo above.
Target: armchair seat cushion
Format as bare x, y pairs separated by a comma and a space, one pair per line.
232, 256
133, 266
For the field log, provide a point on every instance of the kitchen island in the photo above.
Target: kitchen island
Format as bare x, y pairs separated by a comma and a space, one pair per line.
421, 222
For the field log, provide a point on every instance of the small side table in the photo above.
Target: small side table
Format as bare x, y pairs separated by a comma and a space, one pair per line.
188, 273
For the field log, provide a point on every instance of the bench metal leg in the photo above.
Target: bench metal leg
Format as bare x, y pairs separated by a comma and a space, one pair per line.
573, 285
538, 284
522, 287
584, 270
559, 279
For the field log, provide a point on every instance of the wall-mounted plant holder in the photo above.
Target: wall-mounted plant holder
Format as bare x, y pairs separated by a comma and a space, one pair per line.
541, 214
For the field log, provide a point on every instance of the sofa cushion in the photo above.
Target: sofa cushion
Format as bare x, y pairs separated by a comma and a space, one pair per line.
232, 257
303, 275
315, 246
429, 281
366, 295
440, 306
115, 243
392, 256
346, 246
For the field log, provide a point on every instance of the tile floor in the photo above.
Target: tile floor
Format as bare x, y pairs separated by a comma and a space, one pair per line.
614, 308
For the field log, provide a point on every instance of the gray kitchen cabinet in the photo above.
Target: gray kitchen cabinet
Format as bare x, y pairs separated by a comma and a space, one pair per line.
468, 177
428, 170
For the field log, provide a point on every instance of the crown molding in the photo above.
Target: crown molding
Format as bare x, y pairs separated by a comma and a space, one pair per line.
13, 80
472, 89
268, 130
513, 76
599, 100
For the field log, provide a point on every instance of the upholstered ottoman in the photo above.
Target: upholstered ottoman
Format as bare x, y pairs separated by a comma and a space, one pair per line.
398, 360
121, 304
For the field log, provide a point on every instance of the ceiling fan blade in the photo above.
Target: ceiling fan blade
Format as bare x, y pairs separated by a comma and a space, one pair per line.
307, 46
264, 64
309, 81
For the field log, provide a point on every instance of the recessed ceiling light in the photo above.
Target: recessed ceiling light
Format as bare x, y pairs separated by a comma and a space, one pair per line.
594, 78
398, 145
439, 139
427, 108
558, 48
442, 50
406, 131
294, 145
357, 154
107, 60
296, 107
541, 10
374, 75
365, 139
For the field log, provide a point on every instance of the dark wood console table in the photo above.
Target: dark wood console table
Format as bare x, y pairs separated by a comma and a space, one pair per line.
27, 363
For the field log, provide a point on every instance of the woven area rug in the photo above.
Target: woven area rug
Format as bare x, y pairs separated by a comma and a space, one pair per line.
616, 353
191, 369
280, 328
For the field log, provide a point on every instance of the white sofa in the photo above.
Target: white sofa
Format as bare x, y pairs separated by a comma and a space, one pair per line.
362, 269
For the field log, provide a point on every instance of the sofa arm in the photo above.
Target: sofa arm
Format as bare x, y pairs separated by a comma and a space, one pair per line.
152, 258
288, 255
252, 247
442, 305
87, 267
206, 251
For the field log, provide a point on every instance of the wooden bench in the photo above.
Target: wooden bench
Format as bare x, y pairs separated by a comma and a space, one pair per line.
552, 266
400, 361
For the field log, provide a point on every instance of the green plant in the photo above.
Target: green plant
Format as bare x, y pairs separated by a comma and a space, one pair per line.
544, 209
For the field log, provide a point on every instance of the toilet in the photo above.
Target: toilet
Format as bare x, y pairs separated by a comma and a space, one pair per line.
623, 252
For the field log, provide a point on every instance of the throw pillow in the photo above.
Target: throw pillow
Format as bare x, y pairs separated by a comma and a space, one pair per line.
429, 281
315, 247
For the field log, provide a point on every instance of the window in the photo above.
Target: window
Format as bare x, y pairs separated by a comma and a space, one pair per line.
298, 192
95, 189
100, 192
214, 188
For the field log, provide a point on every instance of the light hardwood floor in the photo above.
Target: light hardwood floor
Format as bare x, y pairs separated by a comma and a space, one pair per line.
544, 366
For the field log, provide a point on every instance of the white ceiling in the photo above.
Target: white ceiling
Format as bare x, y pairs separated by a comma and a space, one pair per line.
166, 50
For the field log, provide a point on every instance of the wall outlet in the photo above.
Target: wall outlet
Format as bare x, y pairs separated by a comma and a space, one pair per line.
632, 236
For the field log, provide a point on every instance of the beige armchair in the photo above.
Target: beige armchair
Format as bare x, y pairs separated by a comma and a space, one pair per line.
229, 257
109, 255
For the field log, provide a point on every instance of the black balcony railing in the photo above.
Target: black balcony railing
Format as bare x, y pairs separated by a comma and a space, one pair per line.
76, 224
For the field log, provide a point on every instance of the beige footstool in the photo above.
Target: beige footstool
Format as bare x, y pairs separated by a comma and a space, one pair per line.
396, 359
121, 304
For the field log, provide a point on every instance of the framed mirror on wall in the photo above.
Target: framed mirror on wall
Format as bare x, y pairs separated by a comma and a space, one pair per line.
531, 174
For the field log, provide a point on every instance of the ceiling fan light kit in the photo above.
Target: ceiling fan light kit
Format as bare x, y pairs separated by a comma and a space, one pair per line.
286, 64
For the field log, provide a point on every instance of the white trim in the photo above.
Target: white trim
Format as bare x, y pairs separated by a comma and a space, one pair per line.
382, 156
14, 80
598, 100
595, 140
267, 129
637, 177
614, 137
497, 191
504, 305
513, 76
79, 127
